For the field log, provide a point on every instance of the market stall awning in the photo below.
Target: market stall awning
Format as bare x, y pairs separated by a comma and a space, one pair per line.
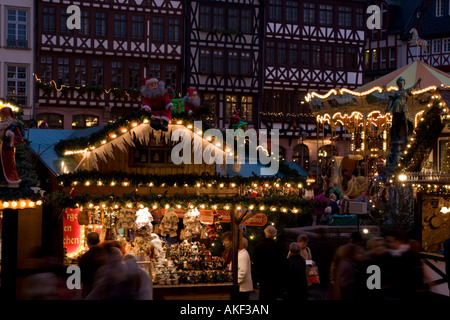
42, 144
411, 73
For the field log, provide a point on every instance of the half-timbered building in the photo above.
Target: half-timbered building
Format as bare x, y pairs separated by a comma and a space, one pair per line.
90, 75
17, 54
223, 56
309, 46
410, 30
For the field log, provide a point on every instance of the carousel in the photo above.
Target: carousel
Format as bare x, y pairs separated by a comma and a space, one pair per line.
360, 122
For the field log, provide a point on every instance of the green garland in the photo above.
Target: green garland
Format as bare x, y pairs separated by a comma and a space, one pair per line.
425, 134
280, 204
180, 180
95, 139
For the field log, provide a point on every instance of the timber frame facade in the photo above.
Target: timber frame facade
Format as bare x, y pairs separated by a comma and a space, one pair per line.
223, 55
119, 43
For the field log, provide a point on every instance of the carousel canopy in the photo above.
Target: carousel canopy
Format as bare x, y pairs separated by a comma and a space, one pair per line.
411, 73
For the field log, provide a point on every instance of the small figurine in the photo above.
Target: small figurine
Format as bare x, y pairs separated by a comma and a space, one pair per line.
192, 102
157, 102
10, 137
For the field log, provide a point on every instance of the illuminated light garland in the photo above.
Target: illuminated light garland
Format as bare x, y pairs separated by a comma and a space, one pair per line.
342, 91
20, 204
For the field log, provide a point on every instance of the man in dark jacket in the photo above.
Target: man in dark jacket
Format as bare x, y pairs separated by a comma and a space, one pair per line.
295, 282
90, 262
268, 264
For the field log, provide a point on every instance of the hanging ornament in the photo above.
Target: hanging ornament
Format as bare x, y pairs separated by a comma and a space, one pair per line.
144, 218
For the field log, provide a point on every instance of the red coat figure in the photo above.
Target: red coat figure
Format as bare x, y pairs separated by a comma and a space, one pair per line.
192, 102
10, 137
156, 101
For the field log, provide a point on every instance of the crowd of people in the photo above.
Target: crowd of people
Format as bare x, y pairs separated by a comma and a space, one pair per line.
343, 273
311, 270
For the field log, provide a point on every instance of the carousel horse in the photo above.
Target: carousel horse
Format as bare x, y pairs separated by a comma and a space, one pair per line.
417, 40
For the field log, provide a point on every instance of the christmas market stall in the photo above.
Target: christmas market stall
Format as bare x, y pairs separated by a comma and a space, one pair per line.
125, 182
360, 121
20, 203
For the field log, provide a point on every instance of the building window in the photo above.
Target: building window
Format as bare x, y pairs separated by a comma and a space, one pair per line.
45, 69
281, 53
367, 59
275, 10
116, 74
231, 103
134, 74
205, 61
292, 11
142, 156
17, 29
247, 108
326, 14
137, 27
446, 45
97, 72
439, 8
328, 56
306, 55
85, 22
218, 18
54, 120
436, 45
157, 29
345, 17
120, 26
340, 57
246, 21
233, 68
174, 30
101, 24
48, 19
382, 58
270, 53
309, 13
63, 70
80, 72
359, 18
392, 58
63, 19
171, 75
16, 84
82, 121
209, 100
293, 54
246, 64
374, 59
205, 17
155, 70
316, 56
352, 58
301, 156
217, 61
233, 19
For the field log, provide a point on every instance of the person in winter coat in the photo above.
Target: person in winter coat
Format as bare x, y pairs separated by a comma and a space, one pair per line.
295, 279
267, 259
244, 272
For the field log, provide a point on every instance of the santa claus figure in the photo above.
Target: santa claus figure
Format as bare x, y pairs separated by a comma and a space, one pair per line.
11, 136
192, 102
157, 102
